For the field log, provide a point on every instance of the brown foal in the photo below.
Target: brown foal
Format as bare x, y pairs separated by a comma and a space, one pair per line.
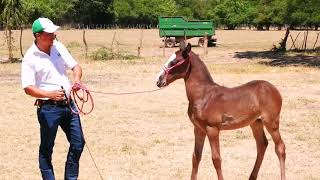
213, 108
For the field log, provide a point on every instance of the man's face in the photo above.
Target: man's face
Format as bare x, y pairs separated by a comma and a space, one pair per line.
46, 38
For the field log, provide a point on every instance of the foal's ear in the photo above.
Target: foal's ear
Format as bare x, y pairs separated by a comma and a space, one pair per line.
185, 52
182, 46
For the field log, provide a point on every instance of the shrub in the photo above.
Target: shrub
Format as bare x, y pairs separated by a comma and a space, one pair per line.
104, 53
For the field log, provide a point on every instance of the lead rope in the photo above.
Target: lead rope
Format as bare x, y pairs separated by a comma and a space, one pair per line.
86, 96
85, 93
94, 162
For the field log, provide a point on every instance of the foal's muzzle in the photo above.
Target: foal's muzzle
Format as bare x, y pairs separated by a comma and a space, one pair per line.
161, 81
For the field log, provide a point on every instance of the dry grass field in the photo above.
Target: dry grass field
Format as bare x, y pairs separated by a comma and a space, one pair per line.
149, 136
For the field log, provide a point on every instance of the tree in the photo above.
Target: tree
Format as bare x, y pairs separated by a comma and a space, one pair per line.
1, 10
93, 11
56, 10
12, 17
300, 12
142, 11
278, 12
186, 8
231, 13
124, 11
204, 9
261, 17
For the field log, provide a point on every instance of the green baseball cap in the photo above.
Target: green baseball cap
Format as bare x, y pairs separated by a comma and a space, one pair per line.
44, 24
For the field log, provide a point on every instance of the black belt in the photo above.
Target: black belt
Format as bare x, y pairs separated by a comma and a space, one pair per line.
41, 102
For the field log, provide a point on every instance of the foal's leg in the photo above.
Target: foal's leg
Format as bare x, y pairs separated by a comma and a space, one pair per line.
213, 136
279, 145
262, 143
197, 153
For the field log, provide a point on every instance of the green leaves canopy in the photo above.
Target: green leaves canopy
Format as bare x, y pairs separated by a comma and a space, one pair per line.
230, 13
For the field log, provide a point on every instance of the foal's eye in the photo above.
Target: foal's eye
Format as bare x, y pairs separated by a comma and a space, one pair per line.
173, 62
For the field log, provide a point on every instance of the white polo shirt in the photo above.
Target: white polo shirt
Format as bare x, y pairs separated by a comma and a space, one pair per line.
47, 72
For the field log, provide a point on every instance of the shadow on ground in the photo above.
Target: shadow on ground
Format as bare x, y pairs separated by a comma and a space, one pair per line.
281, 59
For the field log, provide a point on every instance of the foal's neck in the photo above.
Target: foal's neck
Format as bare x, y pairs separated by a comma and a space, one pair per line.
199, 72
199, 78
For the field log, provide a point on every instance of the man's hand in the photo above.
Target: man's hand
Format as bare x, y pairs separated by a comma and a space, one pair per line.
57, 95
34, 91
76, 86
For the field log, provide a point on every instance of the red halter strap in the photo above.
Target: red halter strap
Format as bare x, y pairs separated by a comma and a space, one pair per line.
167, 70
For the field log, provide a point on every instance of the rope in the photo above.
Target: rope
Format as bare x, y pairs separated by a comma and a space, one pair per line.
94, 161
126, 93
86, 96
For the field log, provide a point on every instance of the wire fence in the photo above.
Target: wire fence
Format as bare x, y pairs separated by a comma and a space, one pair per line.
156, 26
95, 26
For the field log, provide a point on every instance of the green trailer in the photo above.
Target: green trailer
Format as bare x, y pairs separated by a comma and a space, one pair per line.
176, 29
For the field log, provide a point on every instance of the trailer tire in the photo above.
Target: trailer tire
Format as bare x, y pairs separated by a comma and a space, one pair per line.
170, 42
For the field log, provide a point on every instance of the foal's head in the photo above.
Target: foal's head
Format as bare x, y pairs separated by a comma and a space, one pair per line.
176, 67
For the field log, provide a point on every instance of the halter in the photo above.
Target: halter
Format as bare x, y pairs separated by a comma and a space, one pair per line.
167, 70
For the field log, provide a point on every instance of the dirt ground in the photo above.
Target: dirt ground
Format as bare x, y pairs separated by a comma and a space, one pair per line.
149, 136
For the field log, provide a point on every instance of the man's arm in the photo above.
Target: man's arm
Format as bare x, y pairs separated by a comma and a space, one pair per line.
77, 73
33, 91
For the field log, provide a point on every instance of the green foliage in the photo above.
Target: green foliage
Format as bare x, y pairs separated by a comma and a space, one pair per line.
93, 11
186, 8
103, 54
56, 10
12, 13
1, 10
73, 44
12, 17
142, 11
301, 12
231, 13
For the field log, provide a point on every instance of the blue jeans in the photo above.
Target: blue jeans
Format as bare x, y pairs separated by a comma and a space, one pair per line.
50, 117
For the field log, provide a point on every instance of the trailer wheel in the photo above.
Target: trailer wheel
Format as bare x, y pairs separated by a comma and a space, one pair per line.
201, 42
170, 42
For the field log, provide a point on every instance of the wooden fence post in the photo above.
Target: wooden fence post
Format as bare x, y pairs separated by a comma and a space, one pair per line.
140, 45
164, 44
305, 43
314, 45
114, 35
85, 42
205, 45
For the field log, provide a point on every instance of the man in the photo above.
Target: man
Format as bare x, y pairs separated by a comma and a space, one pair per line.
44, 76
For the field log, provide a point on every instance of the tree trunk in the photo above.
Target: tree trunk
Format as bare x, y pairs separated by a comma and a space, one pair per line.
283, 43
259, 27
279, 27
267, 27
21, 30
8, 33
231, 27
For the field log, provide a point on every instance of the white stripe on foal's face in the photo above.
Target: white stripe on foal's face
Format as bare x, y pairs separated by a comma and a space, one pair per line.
171, 58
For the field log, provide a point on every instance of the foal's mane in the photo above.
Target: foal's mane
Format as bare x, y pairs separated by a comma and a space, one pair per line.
198, 65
